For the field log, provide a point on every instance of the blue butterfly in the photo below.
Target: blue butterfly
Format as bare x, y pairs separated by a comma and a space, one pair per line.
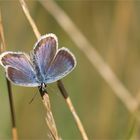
45, 64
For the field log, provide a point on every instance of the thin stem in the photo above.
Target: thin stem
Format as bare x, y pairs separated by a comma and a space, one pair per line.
3, 48
71, 107
14, 133
62, 89
45, 98
37, 33
2, 39
77, 119
29, 18
132, 129
49, 117
11, 103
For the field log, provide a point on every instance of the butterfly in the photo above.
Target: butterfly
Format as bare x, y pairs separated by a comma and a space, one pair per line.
45, 64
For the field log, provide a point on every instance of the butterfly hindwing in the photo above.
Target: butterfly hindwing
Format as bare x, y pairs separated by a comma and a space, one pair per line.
63, 63
20, 78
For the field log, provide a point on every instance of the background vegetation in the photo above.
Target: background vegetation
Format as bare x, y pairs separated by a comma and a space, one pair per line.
113, 28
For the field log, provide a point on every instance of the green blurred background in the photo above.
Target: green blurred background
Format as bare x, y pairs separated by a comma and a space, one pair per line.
113, 27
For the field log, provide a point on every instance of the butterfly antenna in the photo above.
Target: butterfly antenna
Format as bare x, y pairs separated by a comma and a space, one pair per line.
33, 98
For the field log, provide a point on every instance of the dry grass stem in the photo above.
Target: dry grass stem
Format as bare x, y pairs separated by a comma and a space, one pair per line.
30, 19
77, 120
35, 29
2, 39
71, 107
49, 118
92, 55
2, 49
14, 133
117, 43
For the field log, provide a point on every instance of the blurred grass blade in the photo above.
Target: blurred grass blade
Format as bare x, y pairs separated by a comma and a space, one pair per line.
2, 49
92, 55
132, 130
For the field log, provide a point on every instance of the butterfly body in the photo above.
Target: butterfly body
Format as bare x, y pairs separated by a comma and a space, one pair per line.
46, 63
42, 89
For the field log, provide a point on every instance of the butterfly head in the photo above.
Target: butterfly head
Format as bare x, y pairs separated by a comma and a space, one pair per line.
43, 86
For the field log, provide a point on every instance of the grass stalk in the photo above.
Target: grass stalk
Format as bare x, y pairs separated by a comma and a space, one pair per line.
2, 49
49, 117
45, 98
68, 100
29, 18
132, 129
72, 109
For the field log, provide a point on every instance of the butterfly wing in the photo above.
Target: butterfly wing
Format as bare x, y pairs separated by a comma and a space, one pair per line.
44, 52
19, 69
63, 63
20, 78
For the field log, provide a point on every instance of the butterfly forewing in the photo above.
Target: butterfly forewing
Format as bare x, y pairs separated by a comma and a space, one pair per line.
44, 52
63, 63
